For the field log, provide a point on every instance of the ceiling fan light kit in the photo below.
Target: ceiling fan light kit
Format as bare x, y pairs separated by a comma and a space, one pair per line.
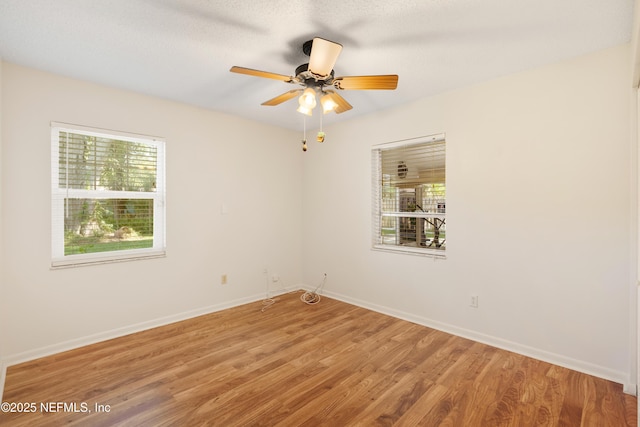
328, 104
305, 110
316, 76
308, 99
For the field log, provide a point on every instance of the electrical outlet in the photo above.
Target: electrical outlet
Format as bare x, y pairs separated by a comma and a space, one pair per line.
275, 278
223, 279
474, 301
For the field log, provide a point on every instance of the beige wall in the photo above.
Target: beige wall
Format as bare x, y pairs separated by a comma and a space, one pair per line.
539, 216
212, 158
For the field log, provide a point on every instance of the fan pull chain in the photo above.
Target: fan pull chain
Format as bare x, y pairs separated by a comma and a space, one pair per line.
320, 136
304, 133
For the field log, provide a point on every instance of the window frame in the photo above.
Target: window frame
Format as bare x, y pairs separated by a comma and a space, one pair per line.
59, 194
377, 190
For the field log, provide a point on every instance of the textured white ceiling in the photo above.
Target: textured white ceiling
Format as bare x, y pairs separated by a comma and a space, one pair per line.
183, 49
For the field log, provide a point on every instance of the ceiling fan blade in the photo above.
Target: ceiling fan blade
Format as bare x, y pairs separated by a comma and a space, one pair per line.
324, 54
382, 82
343, 105
258, 73
284, 97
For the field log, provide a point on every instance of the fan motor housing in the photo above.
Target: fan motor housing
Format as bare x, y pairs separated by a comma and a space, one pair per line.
309, 80
302, 68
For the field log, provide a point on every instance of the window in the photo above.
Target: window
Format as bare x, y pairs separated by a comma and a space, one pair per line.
409, 189
108, 196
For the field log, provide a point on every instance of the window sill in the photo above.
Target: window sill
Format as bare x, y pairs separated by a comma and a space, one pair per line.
83, 261
406, 250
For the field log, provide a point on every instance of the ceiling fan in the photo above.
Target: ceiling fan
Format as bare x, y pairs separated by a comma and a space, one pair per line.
317, 77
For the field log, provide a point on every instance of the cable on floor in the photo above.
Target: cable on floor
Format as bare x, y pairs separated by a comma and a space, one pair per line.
268, 302
313, 297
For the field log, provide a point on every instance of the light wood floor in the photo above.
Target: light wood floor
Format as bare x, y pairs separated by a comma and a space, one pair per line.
330, 364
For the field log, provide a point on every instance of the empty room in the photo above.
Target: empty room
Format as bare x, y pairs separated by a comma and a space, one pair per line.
319, 213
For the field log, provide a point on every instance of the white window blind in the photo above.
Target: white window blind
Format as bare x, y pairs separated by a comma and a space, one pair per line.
409, 196
108, 196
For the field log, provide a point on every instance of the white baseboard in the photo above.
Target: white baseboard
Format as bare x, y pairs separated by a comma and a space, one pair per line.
629, 387
37, 353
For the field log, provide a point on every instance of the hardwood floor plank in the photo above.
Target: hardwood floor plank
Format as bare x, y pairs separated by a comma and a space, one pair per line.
293, 364
382, 367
